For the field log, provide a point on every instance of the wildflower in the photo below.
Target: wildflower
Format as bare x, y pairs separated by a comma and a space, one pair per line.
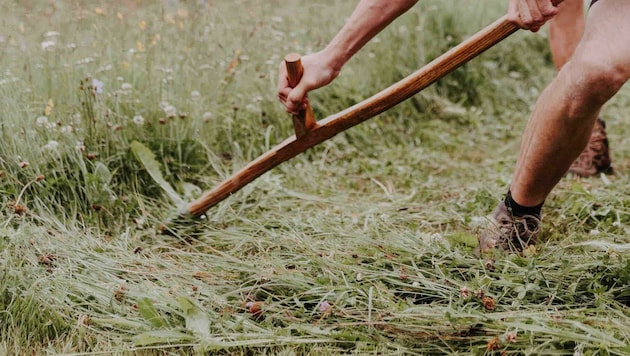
125, 86
138, 120
67, 129
120, 293
40, 178
464, 292
51, 34
18, 209
194, 95
493, 344
488, 303
255, 308
170, 111
511, 337
49, 106
84, 320
42, 121
206, 116
24, 164
47, 259
48, 45
142, 25
324, 306
97, 86
52, 145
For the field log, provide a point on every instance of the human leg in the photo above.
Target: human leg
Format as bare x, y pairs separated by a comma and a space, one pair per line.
565, 112
565, 31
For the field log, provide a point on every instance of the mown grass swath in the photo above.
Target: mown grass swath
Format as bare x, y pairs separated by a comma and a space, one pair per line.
362, 244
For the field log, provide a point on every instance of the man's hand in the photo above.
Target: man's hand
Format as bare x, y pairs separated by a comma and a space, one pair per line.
531, 14
317, 73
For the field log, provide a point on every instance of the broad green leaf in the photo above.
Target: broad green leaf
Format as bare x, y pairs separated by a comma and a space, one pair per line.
196, 320
117, 323
148, 311
162, 337
102, 173
147, 158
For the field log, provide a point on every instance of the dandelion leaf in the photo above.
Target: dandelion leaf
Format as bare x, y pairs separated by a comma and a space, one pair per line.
196, 320
147, 158
102, 173
148, 311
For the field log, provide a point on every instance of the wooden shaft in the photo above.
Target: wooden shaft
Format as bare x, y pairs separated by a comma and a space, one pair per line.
378, 103
304, 121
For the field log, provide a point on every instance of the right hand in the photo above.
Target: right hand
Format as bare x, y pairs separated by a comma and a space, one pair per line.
531, 14
317, 73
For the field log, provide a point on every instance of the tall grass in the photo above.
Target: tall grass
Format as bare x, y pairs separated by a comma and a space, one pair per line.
361, 245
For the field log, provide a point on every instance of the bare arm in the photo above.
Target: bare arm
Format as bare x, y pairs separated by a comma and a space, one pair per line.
321, 68
367, 20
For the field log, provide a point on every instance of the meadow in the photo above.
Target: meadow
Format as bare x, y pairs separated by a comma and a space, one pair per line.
362, 245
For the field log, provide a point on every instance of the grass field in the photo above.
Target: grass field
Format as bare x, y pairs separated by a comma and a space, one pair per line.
362, 245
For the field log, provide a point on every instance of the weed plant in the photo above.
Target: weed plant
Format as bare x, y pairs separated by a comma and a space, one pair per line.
362, 245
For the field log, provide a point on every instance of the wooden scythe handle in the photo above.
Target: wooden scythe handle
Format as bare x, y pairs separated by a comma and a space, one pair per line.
334, 124
304, 121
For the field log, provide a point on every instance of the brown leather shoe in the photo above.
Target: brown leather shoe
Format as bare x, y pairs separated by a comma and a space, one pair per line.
508, 232
596, 156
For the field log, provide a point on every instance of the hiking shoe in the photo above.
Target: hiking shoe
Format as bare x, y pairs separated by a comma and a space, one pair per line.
596, 156
508, 232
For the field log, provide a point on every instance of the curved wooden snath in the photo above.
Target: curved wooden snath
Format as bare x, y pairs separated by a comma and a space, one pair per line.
311, 134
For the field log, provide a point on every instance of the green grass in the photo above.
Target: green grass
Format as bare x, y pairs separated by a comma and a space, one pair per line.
363, 244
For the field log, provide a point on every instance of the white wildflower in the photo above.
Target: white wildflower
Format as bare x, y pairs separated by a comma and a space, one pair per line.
170, 111
85, 60
51, 146
194, 95
51, 34
42, 121
125, 88
206, 116
67, 129
138, 120
48, 45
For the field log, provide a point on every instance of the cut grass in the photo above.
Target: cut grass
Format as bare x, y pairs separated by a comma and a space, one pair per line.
361, 245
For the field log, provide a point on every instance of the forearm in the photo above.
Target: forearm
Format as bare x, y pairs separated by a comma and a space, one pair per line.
368, 19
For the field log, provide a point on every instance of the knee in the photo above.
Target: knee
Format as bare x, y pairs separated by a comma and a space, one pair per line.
594, 81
